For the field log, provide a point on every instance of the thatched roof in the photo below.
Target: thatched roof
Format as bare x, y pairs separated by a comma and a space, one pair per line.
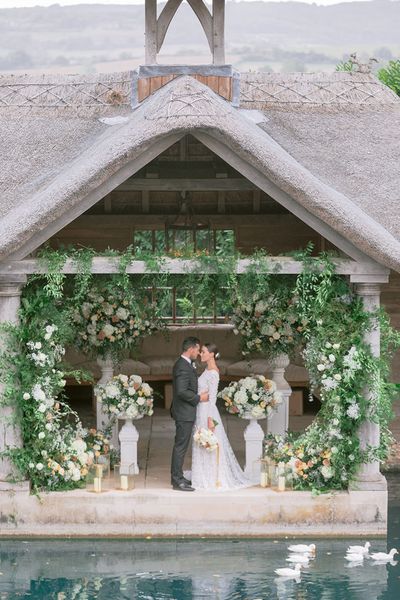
329, 141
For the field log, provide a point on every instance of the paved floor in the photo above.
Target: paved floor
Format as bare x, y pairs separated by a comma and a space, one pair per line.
156, 435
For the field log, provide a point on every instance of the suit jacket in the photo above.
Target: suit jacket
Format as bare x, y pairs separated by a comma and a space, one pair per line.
184, 391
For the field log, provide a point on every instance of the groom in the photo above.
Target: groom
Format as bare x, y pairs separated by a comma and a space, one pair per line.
183, 410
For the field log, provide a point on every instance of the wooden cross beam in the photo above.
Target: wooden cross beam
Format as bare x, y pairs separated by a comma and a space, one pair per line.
213, 25
280, 265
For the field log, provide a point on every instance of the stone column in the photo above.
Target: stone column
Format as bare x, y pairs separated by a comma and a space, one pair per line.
10, 434
278, 423
103, 419
369, 477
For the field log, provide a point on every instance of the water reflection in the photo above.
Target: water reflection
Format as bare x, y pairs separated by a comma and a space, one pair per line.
193, 569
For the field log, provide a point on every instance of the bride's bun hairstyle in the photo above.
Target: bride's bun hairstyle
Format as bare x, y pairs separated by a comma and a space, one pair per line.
213, 348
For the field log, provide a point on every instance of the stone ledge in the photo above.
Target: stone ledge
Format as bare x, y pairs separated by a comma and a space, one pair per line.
252, 512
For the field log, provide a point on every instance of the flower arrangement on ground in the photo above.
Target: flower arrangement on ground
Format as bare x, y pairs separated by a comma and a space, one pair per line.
206, 438
268, 324
99, 443
113, 319
55, 454
126, 396
255, 397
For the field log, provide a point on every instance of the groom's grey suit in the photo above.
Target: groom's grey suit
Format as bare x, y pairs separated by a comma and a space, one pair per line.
185, 399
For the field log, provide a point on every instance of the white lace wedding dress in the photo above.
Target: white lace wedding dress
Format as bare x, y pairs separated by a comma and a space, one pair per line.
205, 470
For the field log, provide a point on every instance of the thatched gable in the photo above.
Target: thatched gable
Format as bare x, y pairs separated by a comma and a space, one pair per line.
337, 158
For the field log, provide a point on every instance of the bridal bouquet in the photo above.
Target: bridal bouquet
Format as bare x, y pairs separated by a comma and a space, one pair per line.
127, 396
206, 438
254, 397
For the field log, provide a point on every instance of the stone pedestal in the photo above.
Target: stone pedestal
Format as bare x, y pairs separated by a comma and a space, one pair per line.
128, 437
253, 436
278, 422
103, 419
10, 434
369, 477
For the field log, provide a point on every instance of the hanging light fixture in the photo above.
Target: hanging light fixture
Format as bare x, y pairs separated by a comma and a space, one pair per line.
183, 230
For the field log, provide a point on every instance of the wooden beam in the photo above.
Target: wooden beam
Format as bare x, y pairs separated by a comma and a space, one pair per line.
205, 18
221, 202
279, 265
218, 26
150, 32
145, 201
164, 20
180, 184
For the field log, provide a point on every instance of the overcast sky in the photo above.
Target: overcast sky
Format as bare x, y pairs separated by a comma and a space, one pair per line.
20, 3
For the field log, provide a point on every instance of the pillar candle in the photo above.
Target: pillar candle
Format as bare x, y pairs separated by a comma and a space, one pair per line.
124, 482
97, 484
281, 483
264, 479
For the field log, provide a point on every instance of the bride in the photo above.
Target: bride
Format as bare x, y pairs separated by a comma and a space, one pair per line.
208, 467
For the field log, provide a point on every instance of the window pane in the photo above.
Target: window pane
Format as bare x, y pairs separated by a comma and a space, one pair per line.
160, 241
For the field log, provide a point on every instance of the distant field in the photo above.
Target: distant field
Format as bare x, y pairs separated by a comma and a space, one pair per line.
259, 36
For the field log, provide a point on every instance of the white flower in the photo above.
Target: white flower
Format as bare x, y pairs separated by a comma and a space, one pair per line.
140, 401
147, 391
78, 445
31, 465
41, 435
327, 472
329, 384
328, 345
257, 412
26, 396
38, 393
151, 411
39, 466
321, 367
338, 377
112, 390
123, 378
136, 379
49, 426
122, 313
336, 346
42, 408
332, 358
335, 422
38, 345
131, 391
334, 450
108, 329
353, 411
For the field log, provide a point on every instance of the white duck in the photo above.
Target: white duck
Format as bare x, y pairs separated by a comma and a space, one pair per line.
303, 559
359, 549
382, 556
289, 573
354, 557
303, 548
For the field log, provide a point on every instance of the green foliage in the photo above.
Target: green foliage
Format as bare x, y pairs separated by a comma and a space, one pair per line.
390, 75
327, 323
345, 65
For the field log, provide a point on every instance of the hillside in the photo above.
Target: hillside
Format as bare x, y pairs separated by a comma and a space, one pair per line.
270, 36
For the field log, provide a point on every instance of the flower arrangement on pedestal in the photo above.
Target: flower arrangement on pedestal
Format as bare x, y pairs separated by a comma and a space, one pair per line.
125, 396
251, 397
268, 324
113, 319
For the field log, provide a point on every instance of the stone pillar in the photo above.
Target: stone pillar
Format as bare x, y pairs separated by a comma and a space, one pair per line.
103, 419
129, 437
10, 434
369, 477
278, 422
253, 436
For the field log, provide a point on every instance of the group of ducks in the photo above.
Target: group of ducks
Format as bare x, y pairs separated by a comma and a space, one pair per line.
356, 554
303, 553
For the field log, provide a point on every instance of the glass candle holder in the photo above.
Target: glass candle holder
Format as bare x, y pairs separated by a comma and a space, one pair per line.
97, 479
124, 477
284, 477
265, 472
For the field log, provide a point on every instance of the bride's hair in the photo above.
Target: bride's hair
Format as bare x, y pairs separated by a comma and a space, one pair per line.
213, 348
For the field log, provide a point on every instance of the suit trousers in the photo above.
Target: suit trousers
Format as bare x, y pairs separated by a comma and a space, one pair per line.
183, 435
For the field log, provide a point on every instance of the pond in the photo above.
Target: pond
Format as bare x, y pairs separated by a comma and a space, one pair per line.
180, 569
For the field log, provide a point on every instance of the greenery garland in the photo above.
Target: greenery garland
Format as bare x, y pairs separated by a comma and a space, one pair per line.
329, 325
